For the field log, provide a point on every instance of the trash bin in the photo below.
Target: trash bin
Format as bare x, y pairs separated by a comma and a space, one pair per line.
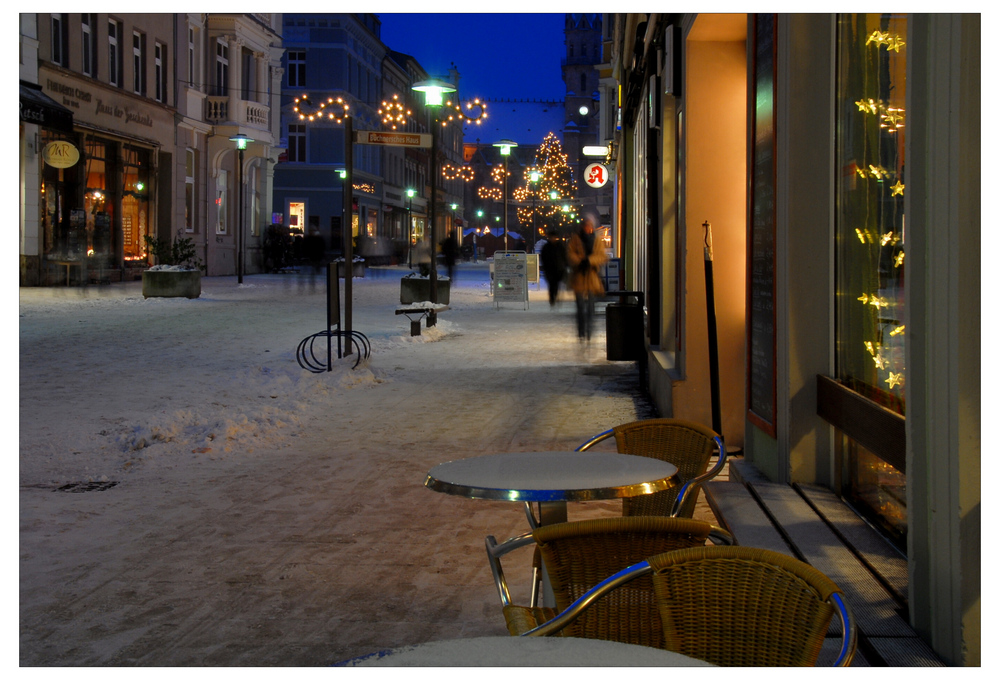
625, 326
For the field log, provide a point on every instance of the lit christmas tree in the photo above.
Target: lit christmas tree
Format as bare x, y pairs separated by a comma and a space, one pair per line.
546, 199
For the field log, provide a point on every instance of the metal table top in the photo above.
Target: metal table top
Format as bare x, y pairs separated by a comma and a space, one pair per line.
552, 476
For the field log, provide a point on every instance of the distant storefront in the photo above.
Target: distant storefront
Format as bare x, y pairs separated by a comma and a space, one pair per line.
100, 181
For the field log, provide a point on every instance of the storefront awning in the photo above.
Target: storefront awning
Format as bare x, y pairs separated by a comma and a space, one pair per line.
41, 109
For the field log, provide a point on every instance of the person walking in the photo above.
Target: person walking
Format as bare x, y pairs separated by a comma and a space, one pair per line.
553, 256
585, 257
451, 251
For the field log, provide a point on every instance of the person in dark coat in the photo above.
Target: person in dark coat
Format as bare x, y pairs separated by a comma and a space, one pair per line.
553, 256
450, 250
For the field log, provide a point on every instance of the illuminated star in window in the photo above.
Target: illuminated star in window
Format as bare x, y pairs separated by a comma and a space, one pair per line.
899, 259
897, 188
881, 361
877, 302
894, 43
898, 330
894, 379
877, 171
870, 347
878, 37
864, 298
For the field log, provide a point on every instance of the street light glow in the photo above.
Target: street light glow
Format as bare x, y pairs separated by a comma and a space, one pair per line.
434, 90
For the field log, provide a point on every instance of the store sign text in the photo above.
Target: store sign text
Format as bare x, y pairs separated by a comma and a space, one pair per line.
73, 96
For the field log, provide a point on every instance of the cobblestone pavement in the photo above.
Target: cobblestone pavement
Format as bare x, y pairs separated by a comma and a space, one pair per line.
327, 547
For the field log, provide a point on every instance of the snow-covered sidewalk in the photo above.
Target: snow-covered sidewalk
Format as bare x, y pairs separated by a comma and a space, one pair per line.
236, 509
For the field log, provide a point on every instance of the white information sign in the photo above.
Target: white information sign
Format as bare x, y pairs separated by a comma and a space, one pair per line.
510, 276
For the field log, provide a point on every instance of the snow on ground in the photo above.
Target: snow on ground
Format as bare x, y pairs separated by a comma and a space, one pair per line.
263, 514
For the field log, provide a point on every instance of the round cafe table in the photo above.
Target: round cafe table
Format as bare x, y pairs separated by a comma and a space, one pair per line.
552, 476
524, 651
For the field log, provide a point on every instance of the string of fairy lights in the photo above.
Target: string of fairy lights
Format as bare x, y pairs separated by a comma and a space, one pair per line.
887, 359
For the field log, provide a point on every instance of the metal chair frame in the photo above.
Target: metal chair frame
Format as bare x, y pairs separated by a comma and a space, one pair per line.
567, 616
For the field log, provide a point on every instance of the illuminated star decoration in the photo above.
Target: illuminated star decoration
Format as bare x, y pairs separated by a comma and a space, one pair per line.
894, 379
881, 361
394, 113
898, 330
893, 119
897, 188
878, 37
870, 347
899, 259
894, 43
867, 105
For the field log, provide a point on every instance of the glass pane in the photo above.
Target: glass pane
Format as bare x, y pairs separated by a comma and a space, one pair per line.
878, 491
871, 225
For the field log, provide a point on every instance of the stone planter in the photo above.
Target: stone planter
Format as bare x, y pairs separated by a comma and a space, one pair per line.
168, 283
414, 289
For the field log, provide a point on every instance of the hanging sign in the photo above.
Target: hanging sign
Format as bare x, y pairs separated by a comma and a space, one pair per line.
60, 154
596, 175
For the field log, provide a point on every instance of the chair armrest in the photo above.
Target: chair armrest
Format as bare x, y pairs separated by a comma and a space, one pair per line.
582, 603
494, 551
593, 440
849, 645
721, 537
691, 486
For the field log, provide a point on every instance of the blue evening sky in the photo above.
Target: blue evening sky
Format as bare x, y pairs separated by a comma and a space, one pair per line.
498, 56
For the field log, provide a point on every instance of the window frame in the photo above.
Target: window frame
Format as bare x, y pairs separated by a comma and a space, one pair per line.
114, 53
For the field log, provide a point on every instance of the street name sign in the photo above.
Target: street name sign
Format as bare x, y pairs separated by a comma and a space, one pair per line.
412, 140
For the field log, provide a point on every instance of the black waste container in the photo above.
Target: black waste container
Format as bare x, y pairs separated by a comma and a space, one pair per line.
625, 326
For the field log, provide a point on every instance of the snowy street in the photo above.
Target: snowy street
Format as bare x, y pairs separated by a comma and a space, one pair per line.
233, 509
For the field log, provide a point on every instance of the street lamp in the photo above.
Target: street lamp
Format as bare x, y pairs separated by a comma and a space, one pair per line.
505, 146
475, 247
434, 91
533, 177
241, 144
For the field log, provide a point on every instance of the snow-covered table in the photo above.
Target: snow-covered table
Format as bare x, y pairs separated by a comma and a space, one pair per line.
525, 651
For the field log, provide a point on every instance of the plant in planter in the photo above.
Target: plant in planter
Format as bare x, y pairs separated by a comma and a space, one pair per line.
177, 272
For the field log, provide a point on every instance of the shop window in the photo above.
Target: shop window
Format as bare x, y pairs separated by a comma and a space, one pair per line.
98, 202
189, 190
871, 230
221, 193
135, 204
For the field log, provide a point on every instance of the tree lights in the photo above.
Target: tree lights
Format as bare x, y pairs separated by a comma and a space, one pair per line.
548, 184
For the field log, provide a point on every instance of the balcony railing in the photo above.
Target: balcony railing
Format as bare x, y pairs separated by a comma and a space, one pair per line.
248, 113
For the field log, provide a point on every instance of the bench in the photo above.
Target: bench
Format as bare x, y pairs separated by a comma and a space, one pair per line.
812, 524
421, 312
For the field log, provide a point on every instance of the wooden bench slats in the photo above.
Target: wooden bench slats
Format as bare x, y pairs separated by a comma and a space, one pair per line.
740, 515
867, 543
873, 606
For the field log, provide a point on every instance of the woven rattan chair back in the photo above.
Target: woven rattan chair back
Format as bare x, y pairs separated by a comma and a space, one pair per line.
737, 606
579, 555
687, 445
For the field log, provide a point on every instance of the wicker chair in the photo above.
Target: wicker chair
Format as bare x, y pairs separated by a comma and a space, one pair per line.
578, 555
687, 445
731, 606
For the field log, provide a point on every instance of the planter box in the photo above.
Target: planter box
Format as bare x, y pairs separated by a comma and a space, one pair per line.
419, 290
358, 269
171, 284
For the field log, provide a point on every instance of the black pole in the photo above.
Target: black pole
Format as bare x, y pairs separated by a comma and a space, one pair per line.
432, 317
348, 226
239, 215
713, 334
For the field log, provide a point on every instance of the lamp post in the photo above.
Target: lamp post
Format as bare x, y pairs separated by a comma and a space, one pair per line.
410, 193
505, 146
241, 144
434, 91
475, 246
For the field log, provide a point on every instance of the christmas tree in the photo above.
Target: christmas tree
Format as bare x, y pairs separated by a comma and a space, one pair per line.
545, 199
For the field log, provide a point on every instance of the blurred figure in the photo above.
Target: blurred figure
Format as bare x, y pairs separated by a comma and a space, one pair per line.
451, 251
422, 257
585, 259
313, 249
553, 257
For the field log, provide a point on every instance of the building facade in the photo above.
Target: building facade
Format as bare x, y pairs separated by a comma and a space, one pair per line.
341, 56
154, 100
827, 167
